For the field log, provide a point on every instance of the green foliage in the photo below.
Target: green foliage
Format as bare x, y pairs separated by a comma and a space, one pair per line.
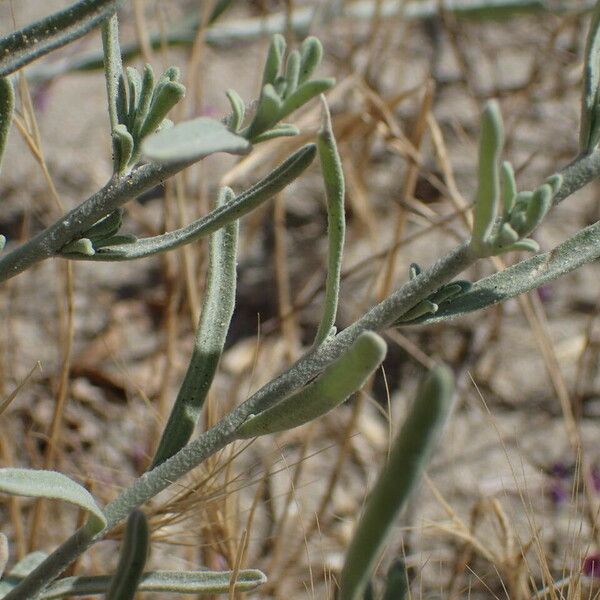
132, 558
522, 211
333, 178
192, 141
54, 485
341, 379
589, 133
7, 106
221, 216
25, 45
286, 86
397, 481
4, 554
396, 582
338, 364
217, 310
432, 303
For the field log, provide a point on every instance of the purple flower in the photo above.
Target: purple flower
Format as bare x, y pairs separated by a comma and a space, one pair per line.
556, 492
591, 565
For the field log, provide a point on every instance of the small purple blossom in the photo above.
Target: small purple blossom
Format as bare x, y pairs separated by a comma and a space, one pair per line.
595, 478
591, 565
557, 492
560, 470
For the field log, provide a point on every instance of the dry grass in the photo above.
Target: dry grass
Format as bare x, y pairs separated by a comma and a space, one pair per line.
510, 507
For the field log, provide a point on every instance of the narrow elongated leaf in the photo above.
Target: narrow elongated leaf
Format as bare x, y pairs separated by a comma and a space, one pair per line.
4, 554
398, 479
274, 59
166, 96
21, 570
396, 585
589, 126
25, 45
132, 558
176, 582
525, 276
508, 185
7, 106
491, 140
341, 379
267, 113
192, 140
333, 178
53, 485
217, 310
303, 94
311, 53
241, 205
238, 110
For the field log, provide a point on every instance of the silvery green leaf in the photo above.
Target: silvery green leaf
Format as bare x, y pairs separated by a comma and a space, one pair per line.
425, 307
193, 140
134, 80
526, 244
132, 558
397, 480
334, 183
28, 563
217, 309
143, 106
305, 92
106, 227
53, 485
274, 59
21, 570
23, 46
506, 236
175, 582
589, 132
508, 186
280, 130
538, 207
491, 140
527, 275
4, 553
82, 246
123, 145
238, 109
337, 382
292, 72
166, 96
267, 112
311, 54
7, 106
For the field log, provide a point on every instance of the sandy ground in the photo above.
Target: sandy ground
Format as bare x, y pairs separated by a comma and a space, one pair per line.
511, 510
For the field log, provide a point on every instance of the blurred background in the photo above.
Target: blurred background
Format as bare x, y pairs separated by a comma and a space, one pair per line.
92, 354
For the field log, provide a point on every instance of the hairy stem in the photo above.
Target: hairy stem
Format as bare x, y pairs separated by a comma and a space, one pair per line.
151, 483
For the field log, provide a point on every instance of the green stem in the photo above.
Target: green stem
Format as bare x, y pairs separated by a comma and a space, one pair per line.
114, 194
58, 29
151, 483
239, 206
113, 70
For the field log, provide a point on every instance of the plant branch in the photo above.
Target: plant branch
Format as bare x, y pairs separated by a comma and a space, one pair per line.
114, 194
58, 29
151, 483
